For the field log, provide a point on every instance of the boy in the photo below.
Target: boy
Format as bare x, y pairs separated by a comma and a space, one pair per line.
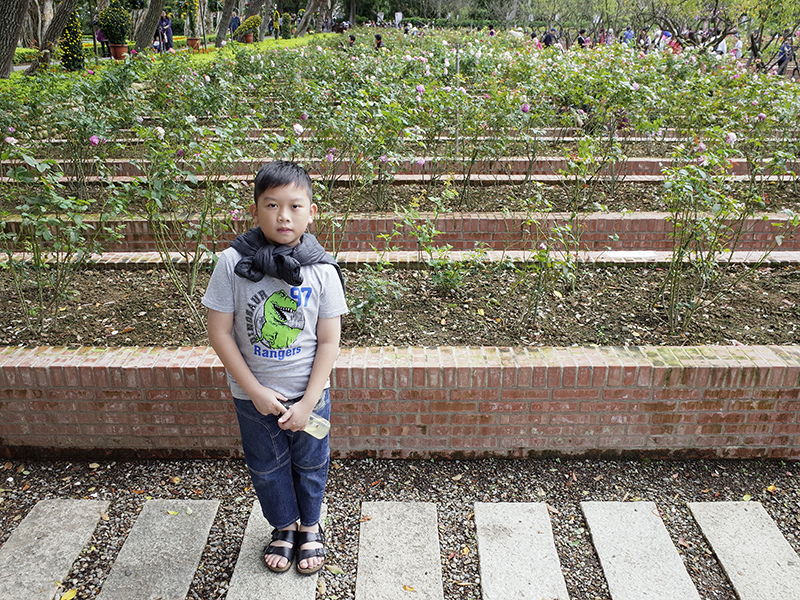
275, 302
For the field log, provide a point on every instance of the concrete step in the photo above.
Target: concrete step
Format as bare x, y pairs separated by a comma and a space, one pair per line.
44, 545
399, 555
517, 553
638, 557
252, 580
398, 552
163, 549
757, 559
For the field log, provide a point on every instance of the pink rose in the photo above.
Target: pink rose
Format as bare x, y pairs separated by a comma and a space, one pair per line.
94, 140
526, 108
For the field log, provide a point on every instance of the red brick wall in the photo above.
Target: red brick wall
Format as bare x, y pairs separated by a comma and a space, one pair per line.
496, 231
418, 402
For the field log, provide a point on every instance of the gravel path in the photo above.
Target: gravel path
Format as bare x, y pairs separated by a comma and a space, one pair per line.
453, 485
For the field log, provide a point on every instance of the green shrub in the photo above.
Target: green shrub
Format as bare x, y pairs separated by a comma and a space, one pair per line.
24, 55
286, 27
250, 25
71, 45
115, 22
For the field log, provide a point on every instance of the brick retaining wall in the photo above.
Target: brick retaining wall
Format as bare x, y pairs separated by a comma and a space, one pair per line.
706, 401
494, 231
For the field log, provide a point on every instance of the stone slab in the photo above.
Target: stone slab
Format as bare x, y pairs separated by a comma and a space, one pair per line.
159, 559
398, 552
759, 562
638, 557
518, 558
44, 545
252, 580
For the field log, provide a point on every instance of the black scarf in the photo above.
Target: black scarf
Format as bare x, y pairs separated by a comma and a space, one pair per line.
261, 257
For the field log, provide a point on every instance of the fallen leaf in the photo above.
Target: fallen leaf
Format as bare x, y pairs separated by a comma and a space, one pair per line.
573, 476
127, 329
465, 550
175, 480
321, 587
69, 595
464, 583
452, 555
457, 477
20, 469
334, 569
747, 497
599, 477
364, 519
105, 516
8, 466
173, 512
684, 543
555, 511
557, 294
94, 466
138, 491
772, 489
378, 482
674, 475
189, 511
408, 588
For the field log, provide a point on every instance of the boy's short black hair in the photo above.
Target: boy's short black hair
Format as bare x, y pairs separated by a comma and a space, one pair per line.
278, 174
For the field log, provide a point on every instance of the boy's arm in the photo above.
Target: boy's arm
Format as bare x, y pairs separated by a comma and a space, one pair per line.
328, 334
220, 334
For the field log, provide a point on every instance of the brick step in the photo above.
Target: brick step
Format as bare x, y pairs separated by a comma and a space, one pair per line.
415, 260
399, 552
401, 402
493, 231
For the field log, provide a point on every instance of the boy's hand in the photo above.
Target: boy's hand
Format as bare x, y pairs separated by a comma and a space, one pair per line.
296, 418
268, 402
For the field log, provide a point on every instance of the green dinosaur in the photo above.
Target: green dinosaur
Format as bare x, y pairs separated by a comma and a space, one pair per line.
282, 322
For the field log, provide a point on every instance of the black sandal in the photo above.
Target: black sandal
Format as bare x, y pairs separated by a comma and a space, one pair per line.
304, 537
284, 535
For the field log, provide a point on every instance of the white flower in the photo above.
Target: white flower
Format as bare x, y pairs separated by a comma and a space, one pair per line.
191, 119
11, 140
298, 129
160, 132
730, 139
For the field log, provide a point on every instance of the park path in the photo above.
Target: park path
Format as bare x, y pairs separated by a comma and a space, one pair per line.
399, 552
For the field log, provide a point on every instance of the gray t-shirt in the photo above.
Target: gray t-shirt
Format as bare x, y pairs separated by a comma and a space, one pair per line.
274, 323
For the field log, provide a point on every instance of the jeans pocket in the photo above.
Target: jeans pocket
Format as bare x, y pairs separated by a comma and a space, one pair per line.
265, 446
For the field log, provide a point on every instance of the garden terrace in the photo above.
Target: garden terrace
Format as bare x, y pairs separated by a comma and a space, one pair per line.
462, 352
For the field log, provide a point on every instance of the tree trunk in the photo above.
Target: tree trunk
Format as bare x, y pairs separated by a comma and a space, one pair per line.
50, 38
253, 8
311, 7
144, 38
47, 14
224, 22
11, 16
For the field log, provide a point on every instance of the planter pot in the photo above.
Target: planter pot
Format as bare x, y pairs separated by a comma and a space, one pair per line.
193, 43
118, 51
248, 38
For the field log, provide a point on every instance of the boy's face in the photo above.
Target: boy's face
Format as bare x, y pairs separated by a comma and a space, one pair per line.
283, 213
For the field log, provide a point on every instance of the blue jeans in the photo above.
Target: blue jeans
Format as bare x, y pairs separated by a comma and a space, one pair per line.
289, 469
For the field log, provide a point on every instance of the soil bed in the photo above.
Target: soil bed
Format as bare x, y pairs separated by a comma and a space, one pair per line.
491, 306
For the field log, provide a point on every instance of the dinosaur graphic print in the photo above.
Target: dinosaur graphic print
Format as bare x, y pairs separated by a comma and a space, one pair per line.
280, 322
